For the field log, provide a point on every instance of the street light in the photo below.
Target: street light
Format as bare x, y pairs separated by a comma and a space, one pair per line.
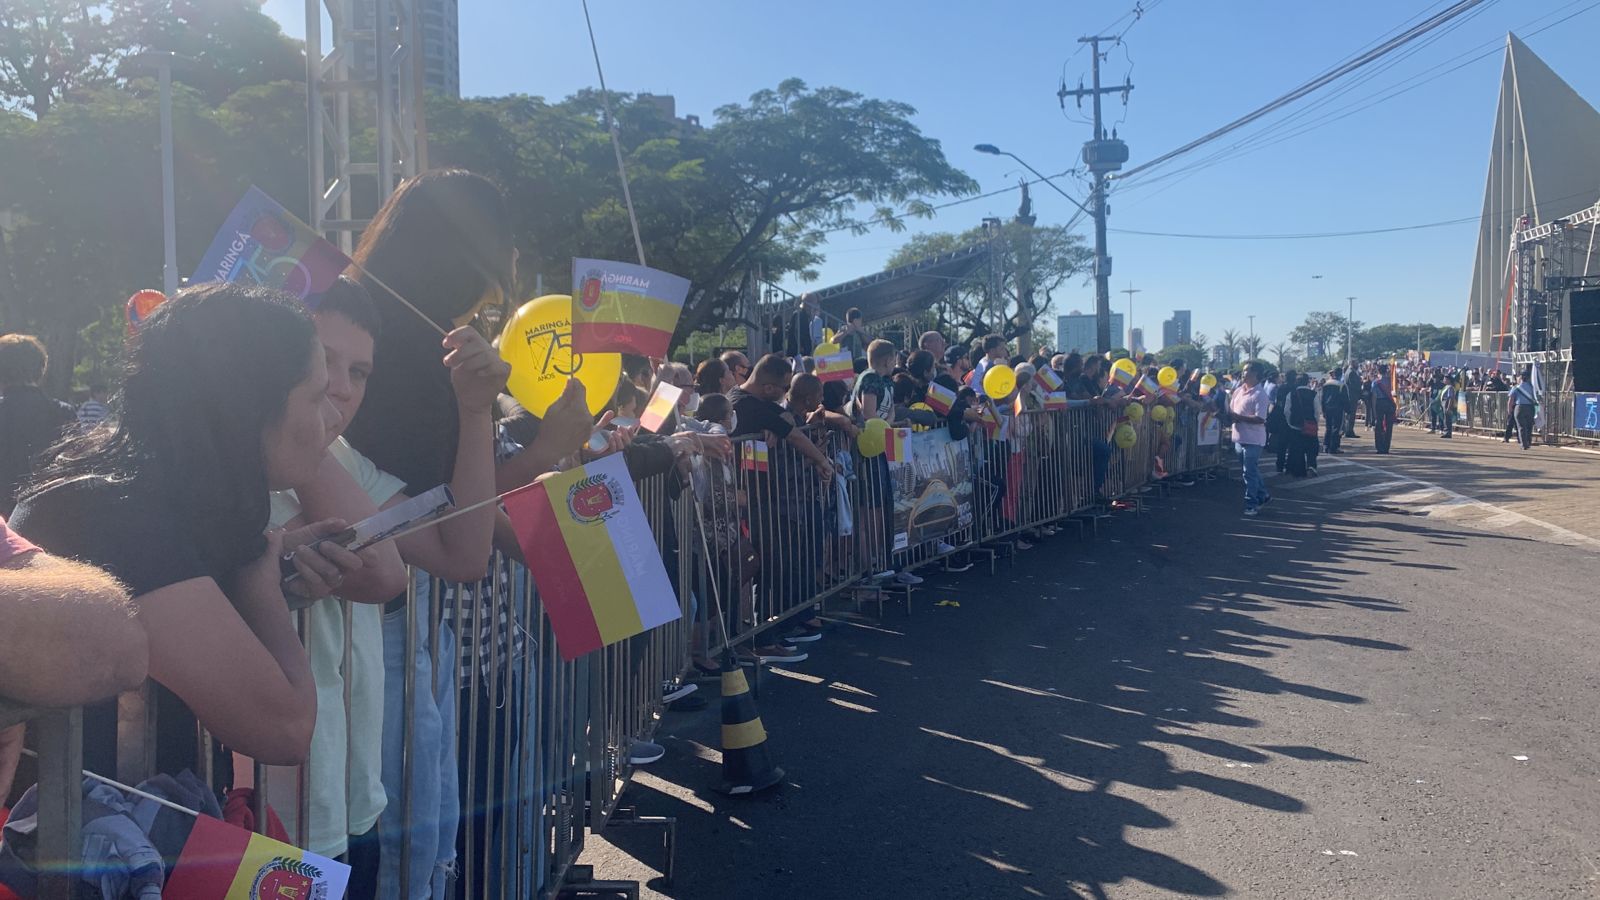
992, 150
1349, 331
162, 62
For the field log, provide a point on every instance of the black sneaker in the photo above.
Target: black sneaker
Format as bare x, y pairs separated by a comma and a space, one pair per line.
669, 692
805, 634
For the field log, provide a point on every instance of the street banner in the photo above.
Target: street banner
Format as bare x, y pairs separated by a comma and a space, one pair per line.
624, 308
598, 570
932, 488
263, 243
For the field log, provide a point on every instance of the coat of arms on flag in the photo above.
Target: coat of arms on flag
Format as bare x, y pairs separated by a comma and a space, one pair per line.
599, 572
220, 861
623, 308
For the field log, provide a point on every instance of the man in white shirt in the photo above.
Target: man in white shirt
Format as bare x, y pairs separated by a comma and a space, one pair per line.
1249, 406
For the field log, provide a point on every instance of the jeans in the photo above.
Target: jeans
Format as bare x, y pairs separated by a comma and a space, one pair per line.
1334, 430
429, 825
1255, 492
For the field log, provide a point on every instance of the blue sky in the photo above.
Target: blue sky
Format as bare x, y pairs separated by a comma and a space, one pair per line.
988, 73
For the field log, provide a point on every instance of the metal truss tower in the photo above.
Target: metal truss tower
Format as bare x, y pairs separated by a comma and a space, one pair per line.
346, 112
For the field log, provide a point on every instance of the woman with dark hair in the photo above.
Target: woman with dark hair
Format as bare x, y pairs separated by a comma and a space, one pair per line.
443, 242
225, 400
713, 377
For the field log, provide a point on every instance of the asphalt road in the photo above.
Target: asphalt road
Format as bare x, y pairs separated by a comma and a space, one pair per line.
1376, 689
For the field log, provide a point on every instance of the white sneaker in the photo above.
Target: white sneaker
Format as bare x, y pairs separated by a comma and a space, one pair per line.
1023, 545
942, 548
885, 575
909, 578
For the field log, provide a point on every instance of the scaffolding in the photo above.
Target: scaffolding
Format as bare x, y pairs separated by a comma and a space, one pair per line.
1552, 260
352, 108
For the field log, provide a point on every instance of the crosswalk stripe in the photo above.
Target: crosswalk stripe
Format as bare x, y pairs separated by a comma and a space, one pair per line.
1367, 489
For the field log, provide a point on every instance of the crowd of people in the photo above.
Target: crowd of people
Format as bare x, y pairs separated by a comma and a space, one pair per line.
169, 534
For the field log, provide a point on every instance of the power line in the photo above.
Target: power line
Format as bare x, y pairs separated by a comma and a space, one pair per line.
1311, 235
1337, 72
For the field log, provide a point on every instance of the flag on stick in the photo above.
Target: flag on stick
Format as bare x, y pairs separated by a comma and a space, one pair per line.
895, 446
624, 308
659, 409
224, 862
940, 398
1055, 400
1048, 379
599, 573
753, 456
836, 366
263, 243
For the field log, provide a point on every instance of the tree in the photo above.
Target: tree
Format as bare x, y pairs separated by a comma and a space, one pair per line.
1057, 256
1198, 339
1319, 332
50, 47
1230, 344
1284, 354
1189, 353
1250, 346
798, 162
1383, 341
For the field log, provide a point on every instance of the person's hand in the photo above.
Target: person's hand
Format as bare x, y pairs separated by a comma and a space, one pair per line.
824, 470
262, 577
716, 446
566, 425
616, 439
477, 373
321, 564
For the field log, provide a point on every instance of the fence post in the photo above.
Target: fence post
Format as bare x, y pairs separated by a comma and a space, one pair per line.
60, 735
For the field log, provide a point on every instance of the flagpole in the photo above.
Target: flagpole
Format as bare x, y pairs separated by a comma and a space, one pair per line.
616, 144
396, 294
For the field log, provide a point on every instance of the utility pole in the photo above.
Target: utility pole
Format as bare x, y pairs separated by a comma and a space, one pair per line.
1103, 156
1130, 291
1025, 310
1349, 331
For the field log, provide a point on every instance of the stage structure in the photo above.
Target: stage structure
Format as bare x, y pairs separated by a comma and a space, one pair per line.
1536, 238
346, 191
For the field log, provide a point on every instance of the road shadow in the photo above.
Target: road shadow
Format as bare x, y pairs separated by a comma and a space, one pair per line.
1018, 743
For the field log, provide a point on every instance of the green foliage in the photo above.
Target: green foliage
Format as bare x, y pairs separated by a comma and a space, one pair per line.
1053, 255
1189, 353
1383, 341
1322, 334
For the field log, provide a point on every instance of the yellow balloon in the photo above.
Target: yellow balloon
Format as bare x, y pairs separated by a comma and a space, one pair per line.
1167, 377
1161, 413
871, 443
1133, 412
1207, 382
537, 342
826, 348
999, 381
1125, 436
875, 425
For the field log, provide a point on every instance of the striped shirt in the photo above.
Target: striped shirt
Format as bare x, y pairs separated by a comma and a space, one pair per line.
91, 413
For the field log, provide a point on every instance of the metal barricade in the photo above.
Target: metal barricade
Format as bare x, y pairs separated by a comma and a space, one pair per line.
58, 742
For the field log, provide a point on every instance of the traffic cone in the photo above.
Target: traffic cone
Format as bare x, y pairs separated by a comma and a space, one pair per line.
746, 765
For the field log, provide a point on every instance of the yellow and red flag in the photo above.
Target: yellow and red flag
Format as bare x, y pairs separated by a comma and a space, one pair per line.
225, 862
623, 308
660, 407
598, 570
1048, 379
753, 456
836, 366
1055, 400
940, 399
895, 447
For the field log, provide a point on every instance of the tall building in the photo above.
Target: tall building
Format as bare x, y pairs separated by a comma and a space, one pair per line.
1136, 341
1176, 330
1076, 332
441, 45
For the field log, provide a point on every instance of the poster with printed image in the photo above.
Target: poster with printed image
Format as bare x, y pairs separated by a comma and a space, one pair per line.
932, 488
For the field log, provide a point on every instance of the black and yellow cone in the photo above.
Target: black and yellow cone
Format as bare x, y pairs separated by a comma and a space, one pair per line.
746, 765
